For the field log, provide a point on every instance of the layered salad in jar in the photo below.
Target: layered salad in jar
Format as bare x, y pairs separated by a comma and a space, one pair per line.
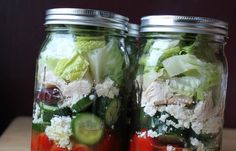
78, 103
182, 83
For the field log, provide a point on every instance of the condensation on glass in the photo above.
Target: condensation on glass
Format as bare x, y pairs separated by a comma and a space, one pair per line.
78, 102
181, 84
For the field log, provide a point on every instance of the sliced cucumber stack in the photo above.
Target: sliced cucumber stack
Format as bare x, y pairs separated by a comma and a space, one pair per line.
50, 111
83, 104
87, 128
112, 112
108, 109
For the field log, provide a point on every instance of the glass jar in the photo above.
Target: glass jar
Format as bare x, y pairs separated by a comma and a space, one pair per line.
79, 91
132, 47
181, 82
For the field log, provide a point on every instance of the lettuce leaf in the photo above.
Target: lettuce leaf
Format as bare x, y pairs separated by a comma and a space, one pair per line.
86, 44
186, 85
59, 46
71, 69
186, 65
107, 61
201, 49
181, 63
157, 50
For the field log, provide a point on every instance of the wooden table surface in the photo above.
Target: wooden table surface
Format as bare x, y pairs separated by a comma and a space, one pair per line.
17, 136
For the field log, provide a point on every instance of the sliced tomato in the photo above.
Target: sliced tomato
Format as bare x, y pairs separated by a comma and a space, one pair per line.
34, 141
143, 143
57, 148
80, 147
44, 144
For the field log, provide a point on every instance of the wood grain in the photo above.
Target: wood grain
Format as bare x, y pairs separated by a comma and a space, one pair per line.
17, 136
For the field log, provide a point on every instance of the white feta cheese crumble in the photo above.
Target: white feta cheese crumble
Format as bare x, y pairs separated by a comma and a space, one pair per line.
163, 117
170, 148
142, 134
107, 89
150, 109
75, 91
181, 113
196, 143
149, 133
197, 127
37, 116
152, 134
60, 131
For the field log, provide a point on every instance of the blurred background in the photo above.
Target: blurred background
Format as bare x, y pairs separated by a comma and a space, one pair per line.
22, 33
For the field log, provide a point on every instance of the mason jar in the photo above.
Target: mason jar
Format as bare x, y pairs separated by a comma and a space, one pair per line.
181, 84
78, 103
132, 48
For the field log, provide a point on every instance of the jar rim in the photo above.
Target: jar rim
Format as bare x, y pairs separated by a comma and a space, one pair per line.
185, 24
89, 17
133, 30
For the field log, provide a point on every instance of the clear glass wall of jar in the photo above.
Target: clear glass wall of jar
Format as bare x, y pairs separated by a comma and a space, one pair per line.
132, 48
181, 82
79, 91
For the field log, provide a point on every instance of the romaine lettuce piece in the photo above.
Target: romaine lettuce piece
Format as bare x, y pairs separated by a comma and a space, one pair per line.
160, 48
168, 53
71, 69
186, 85
207, 73
181, 63
202, 49
86, 44
60, 46
107, 61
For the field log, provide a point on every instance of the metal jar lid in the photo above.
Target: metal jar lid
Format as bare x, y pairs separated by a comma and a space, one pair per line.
185, 24
90, 17
133, 30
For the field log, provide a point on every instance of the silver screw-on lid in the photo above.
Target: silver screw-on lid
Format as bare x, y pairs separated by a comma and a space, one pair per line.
186, 24
90, 17
133, 30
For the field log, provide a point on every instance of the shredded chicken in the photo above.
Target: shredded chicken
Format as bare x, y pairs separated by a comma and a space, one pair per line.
204, 109
49, 79
156, 92
207, 117
176, 100
80, 87
75, 91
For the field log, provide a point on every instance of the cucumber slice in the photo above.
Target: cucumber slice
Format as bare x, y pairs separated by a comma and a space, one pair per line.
40, 127
108, 109
112, 112
50, 111
87, 128
83, 104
